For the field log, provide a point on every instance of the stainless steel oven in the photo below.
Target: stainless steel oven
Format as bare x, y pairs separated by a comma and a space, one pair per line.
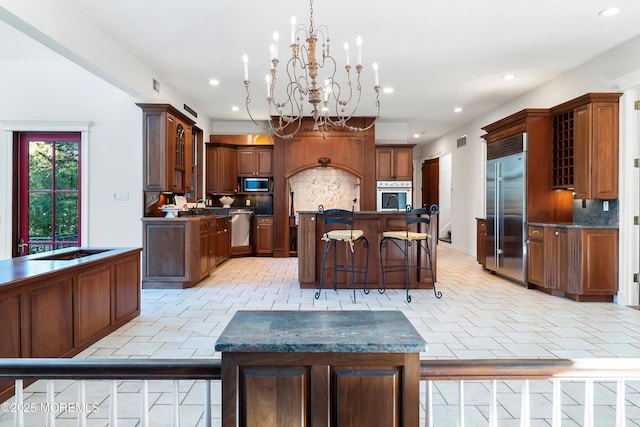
393, 195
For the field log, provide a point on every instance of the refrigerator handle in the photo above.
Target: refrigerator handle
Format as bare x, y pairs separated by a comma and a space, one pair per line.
496, 225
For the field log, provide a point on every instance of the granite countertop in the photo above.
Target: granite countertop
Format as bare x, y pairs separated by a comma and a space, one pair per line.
320, 332
571, 225
401, 211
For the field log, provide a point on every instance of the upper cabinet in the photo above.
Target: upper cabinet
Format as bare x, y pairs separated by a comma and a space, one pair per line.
394, 162
255, 161
585, 145
221, 169
168, 151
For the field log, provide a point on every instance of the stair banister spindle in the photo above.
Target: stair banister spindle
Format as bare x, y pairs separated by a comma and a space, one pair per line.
19, 399
51, 416
113, 407
621, 415
588, 403
493, 407
525, 409
556, 415
176, 403
207, 403
461, 403
82, 401
144, 404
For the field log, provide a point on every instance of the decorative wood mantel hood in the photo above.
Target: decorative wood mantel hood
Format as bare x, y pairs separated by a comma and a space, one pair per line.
350, 151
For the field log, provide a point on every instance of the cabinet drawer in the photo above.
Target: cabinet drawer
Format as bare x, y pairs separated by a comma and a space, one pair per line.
535, 231
264, 220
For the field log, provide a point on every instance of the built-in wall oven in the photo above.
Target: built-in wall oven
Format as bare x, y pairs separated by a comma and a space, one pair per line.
393, 195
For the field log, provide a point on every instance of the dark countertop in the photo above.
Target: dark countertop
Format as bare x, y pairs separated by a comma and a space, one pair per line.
571, 225
320, 332
402, 211
14, 270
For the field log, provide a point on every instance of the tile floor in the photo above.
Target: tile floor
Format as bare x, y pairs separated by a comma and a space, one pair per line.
481, 316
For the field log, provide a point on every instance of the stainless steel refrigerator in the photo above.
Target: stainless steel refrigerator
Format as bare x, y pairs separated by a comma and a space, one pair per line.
506, 208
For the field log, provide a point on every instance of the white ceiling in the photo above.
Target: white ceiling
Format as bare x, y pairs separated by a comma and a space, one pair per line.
436, 55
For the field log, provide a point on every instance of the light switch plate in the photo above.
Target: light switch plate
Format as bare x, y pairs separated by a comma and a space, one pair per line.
120, 197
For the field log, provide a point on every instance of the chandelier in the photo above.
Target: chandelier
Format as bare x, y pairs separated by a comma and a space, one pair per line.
332, 104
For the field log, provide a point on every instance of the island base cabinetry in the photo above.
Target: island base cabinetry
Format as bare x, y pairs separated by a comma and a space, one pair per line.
60, 313
320, 389
311, 250
577, 263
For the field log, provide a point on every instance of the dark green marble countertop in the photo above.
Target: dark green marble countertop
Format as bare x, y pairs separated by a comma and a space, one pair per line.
320, 332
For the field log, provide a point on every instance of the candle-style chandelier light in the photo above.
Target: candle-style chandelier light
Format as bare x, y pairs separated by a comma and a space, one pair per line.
332, 104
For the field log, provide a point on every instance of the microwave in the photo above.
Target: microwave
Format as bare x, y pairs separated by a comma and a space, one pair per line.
255, 184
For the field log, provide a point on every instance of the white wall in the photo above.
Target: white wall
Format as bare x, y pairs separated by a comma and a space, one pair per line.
597, 75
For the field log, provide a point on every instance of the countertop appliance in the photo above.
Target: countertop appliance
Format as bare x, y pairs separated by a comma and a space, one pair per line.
506, 207
240, 227
393, 195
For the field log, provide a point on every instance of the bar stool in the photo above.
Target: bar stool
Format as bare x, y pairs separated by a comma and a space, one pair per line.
417, 229
338, 227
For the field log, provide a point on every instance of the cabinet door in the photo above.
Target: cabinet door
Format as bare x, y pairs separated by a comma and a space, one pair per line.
307, 249
246, 162
227, 167
599, 262
213, 162
264, 236
535, 262
562, 259
204, 248
51, 319
264, 162
403, 166
384, 164
481, 242
604, 151
582, 154
93, 303
127, 286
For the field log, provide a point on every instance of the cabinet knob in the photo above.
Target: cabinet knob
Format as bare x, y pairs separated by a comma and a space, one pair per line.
535, 231
556, 233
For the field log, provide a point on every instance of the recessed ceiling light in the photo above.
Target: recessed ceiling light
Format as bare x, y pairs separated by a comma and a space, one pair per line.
609, 12
457, 110
214, 82
387, 90
509, 76
235, 108
416, 135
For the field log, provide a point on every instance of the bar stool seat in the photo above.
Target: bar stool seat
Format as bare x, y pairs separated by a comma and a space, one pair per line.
420, 220
353, 238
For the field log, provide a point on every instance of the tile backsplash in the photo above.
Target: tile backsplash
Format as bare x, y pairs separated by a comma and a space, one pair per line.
591, 212
330, 187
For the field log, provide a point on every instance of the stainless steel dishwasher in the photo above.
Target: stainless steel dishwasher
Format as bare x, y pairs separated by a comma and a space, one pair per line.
240, 227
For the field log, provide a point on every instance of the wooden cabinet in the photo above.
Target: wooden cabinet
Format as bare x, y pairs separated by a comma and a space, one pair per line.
535, 256
394, 163
221, 169
481, 241
255, 161
586, 144
179, 252
168, 151
543, 203
208, 245
61, 312
223, 240
580, 263
263, 233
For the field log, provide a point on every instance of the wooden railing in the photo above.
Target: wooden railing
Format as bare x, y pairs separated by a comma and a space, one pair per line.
433, 372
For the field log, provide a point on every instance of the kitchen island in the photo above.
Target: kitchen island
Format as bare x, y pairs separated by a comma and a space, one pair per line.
55, 304
320, 368
373, 223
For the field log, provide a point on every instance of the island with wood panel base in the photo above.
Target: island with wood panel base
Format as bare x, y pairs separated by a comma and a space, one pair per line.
57, 303
373, 223
320, 368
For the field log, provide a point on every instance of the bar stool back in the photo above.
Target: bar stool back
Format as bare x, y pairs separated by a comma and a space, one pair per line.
338, 227
417, 229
